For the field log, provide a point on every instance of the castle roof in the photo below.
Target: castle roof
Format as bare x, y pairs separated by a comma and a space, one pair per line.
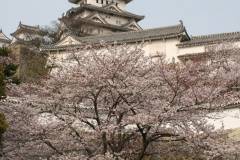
138, 36
22, 28
104, 10
4, 38
74, 25
131, 37
77, 1
210, 39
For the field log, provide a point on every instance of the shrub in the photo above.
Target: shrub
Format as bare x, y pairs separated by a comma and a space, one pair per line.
10, 70
4, 52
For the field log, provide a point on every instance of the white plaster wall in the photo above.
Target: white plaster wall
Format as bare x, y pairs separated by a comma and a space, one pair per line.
27, 37
191, 50
113, 19
95, 30
83, 14
167, 47
2, 44
201, 48
237, 44
229, 119
121, 4
93, 2
108, 18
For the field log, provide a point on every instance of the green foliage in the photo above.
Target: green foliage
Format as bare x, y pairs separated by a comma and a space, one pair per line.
4, 52
15, 80
6, 70
3, 124
10, 70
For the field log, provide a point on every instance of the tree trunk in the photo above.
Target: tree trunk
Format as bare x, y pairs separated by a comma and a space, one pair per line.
104, 141
1, 146
143, 152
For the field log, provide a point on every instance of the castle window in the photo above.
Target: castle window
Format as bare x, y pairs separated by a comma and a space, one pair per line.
118, 22
96, 1
102, 1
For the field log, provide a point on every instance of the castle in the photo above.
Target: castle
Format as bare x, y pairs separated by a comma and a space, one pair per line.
4, 40
92, 21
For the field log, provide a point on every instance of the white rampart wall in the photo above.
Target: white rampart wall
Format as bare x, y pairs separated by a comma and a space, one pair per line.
203, 48
191, 50
229, 119
120, 3
3, 44
167, 47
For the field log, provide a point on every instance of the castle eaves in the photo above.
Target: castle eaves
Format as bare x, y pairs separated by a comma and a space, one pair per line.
210, 39
104, 10
27, 29
77, 1
4, 38
137, 36
82, 21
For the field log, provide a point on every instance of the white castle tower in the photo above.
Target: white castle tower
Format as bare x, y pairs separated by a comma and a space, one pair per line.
99, 17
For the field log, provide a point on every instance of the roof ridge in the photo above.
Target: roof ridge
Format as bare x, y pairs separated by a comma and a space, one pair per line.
163, 27
28, 26
215, 35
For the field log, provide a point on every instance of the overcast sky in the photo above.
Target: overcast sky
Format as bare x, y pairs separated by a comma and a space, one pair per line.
199, 16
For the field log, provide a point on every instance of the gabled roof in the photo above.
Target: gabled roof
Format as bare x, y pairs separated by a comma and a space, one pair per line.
4, 38
210, 39
96, 15
112, 6
104, 10
132, 23
22, 28
176, 31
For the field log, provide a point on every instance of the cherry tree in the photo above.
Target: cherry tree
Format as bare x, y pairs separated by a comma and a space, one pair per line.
116, 102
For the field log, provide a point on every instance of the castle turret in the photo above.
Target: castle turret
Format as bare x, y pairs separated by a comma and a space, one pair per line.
27, 33
4, 40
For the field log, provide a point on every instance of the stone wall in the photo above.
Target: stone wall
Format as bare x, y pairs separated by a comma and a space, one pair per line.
32, 63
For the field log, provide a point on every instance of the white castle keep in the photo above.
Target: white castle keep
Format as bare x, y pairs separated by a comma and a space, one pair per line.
93, 21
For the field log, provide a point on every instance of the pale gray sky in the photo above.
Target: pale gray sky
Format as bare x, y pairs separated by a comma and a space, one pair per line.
199, 16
